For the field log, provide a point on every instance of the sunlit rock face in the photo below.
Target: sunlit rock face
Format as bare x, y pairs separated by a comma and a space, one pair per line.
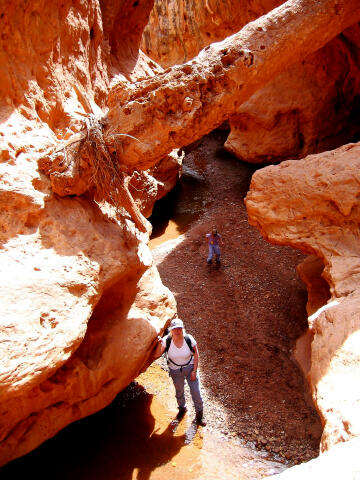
313, 205
341, 462
178, 29
81, 303
312, 107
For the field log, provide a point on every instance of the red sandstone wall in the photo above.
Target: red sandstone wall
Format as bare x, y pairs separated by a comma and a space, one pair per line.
78, 290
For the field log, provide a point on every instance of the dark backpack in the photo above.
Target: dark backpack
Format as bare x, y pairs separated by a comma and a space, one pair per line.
187, 340
167, 346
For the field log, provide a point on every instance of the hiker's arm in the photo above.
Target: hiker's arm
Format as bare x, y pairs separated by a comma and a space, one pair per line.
158, 349
196, 363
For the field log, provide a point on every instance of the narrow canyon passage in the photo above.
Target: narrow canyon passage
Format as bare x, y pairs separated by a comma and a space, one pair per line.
245, 315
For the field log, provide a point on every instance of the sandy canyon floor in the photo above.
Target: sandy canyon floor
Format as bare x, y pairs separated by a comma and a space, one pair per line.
245, 315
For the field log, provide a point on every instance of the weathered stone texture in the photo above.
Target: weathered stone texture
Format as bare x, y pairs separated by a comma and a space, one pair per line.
187, 101
313, 205
177, 30
312, 107
81, 303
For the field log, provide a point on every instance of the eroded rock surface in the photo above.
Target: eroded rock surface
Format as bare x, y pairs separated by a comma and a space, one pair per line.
81, 301
188, 101
313, 205
177, 30
308, 109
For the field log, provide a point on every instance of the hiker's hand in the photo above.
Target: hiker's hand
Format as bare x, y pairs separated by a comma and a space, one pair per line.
193, 375
157, 351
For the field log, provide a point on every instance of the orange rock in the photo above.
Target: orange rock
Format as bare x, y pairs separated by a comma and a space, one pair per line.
220, 78
307, 109
313, 204
178, 30
81, 303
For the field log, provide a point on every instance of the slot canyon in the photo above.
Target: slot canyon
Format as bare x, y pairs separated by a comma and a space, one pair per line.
128, 130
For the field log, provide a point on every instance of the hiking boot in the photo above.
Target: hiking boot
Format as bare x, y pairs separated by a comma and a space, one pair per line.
200, 420
181, 413
209, 262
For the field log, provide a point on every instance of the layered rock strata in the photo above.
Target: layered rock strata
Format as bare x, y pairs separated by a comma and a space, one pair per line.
312, 204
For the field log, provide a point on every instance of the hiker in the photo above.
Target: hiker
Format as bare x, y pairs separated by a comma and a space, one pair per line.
214, 240
183, 360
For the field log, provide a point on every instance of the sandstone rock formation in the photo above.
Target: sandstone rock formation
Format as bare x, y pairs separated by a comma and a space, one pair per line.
312, 204
177, 30
311, 108
188, 101
308, 109
81, 301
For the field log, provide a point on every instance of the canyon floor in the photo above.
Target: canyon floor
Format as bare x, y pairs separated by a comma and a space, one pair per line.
245, 314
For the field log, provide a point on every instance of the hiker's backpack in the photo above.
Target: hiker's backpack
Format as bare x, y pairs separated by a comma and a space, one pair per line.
187, 340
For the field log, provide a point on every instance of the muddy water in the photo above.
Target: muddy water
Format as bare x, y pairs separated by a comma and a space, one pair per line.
136, 437
174, 214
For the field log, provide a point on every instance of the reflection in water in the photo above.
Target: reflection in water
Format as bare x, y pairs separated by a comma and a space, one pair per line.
173, 214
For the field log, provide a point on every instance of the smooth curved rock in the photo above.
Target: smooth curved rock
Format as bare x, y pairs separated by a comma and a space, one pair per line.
81, 303
313, 205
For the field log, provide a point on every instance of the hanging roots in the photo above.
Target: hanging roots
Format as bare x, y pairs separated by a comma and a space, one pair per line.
107, 181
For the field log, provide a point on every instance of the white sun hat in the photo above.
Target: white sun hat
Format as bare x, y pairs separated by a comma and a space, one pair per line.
176, 323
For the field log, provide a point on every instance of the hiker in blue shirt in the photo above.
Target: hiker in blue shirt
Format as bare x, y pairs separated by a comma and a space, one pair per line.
183, 361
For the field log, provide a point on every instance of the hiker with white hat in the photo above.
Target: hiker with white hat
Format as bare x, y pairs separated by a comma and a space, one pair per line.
183, 360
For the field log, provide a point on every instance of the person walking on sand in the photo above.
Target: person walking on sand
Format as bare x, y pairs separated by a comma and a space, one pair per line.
214, 240
183, 361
